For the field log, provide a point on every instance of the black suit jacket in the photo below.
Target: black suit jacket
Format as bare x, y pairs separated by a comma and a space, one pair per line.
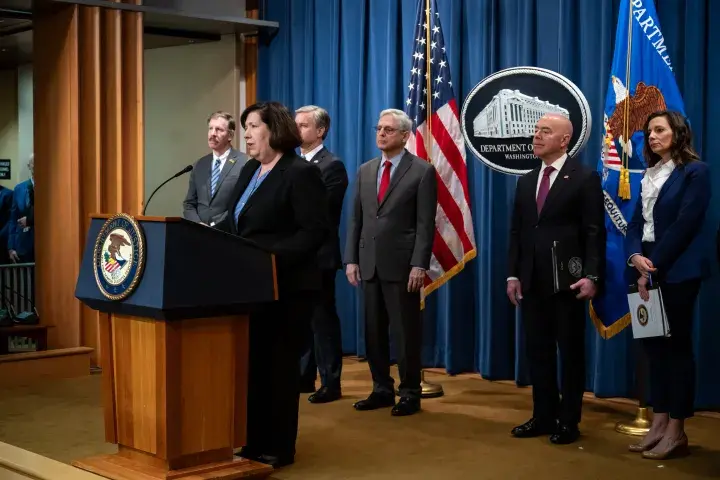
335, 178
287, 215
573, 214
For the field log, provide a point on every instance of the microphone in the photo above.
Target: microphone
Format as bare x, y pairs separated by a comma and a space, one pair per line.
181, 172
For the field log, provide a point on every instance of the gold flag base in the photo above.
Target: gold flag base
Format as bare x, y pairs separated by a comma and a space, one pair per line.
430, 390
638, 427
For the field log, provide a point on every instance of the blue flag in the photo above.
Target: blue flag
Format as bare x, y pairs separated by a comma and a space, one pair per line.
641, 82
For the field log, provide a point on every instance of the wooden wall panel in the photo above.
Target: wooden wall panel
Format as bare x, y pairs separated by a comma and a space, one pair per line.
57, 179
251, 56
111, 68
133, 125
89, 148
89, 153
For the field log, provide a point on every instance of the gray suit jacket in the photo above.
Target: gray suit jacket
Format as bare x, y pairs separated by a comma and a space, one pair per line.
198, 205
389, 239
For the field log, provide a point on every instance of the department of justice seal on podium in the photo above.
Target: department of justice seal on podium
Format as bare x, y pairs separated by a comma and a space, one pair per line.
643, 315
119, 256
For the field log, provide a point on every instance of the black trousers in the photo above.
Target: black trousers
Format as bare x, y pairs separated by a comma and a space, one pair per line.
323, 347
671, 361
389, 304
555, 322
276, 334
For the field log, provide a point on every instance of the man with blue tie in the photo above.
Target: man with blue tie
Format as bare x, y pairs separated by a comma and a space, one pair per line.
21, 229
214, 176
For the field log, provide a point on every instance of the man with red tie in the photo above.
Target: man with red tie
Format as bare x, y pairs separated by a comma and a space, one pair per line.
388, 250
559, 201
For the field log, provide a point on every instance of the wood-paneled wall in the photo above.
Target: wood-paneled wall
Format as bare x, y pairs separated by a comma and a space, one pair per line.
251, 56
89, 148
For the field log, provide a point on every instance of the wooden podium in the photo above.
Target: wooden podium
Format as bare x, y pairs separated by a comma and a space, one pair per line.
174, 352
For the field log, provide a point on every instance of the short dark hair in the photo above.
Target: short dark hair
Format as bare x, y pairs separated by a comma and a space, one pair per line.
681, 149
284, 134
225, 115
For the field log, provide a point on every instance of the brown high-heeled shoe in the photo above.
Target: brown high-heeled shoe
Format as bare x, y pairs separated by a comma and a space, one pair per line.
643, 445
677, 448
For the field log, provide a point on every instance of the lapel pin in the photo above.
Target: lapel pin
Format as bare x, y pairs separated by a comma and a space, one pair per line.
232, 160
315, 161
566, 177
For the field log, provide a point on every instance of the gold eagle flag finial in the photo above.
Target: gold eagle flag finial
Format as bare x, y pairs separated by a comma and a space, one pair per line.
629, 117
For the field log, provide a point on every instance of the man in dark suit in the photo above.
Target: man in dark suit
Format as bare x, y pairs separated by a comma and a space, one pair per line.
561, 200
389, 245
323, 351
214, 175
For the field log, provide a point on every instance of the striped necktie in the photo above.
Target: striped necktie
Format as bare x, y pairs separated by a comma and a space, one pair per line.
215, 177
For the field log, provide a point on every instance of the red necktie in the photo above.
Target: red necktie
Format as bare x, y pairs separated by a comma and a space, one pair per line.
384, 181
544, 188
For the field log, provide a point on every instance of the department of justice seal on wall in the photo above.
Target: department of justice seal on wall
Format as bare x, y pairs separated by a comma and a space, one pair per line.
499, 115
119, 256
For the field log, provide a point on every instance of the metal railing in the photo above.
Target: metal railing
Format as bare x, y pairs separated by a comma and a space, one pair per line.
17, 286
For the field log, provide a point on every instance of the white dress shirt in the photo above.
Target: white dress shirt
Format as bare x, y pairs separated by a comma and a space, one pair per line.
309, 155
557, 165
650, 186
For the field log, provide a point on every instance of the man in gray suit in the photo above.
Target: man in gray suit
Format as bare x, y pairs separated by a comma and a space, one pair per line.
214, 175
389, 245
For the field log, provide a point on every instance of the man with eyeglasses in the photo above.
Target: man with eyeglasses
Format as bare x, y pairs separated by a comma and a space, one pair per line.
389, 244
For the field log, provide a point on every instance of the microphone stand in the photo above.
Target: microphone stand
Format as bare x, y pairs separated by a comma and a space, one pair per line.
184, 171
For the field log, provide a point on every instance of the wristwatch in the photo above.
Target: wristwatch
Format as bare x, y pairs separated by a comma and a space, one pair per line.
593, 278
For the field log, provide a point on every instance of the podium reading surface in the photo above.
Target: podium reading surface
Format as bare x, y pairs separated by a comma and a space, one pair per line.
174, 352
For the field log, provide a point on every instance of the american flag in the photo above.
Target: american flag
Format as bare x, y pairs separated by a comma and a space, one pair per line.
454, 242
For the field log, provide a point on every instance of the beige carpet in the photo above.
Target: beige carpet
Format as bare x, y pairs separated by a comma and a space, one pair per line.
464, 434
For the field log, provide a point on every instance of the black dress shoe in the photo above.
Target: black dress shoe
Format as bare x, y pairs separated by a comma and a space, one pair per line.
325, 395
533, 428
249, 453
406, 406
565, 434
276, 461
375, 401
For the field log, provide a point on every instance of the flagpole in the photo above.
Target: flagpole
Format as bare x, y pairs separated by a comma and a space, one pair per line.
624, 180
428, 83
641, 424
429, 390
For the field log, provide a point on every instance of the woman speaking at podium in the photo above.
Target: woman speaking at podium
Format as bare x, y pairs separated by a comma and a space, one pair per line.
278, 203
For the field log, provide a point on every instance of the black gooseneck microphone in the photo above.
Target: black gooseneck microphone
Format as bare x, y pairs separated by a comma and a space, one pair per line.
181, 172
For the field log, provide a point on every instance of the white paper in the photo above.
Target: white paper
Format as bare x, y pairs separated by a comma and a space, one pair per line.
648, 318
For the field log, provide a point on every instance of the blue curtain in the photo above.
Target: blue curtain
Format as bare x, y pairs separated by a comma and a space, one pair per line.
353, 57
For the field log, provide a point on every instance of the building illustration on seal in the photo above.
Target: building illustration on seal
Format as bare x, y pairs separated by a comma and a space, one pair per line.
512, 114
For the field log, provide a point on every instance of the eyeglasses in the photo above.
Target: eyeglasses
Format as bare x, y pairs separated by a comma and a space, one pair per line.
387, 130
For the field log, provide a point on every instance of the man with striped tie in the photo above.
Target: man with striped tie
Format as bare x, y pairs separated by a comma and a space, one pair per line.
214, 175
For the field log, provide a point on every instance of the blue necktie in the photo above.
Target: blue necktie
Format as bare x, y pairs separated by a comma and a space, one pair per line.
215, 177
